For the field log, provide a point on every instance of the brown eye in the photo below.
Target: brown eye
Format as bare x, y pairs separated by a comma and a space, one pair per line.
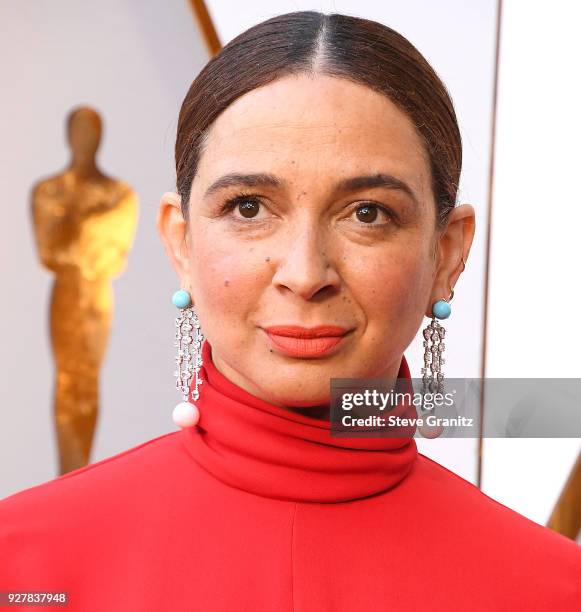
367, 213
249, 208
245, 207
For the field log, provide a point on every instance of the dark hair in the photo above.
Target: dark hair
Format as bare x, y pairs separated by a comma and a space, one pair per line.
364, 51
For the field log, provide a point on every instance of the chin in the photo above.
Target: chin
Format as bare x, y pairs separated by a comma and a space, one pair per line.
306, 395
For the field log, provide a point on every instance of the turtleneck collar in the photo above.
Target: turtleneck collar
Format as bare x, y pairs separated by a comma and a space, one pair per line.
271, 451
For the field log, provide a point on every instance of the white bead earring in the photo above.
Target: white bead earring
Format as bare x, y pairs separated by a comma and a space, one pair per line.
188, 340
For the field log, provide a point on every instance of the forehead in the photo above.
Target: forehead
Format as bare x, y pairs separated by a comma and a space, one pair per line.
315, 128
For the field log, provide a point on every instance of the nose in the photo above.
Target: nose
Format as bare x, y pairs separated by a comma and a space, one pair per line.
305, 266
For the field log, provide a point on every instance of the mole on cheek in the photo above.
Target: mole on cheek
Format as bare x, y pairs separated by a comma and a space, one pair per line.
226, 283
267, 259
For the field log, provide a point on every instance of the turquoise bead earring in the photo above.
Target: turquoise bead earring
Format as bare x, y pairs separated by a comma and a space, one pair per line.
432, 374
181, 299
434, 333
441, 309
188, 340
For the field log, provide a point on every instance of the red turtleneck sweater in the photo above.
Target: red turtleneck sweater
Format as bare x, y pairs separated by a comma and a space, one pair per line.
260, 509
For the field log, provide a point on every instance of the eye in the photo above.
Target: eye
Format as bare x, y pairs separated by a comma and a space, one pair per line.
372, 214
248, 208
244, 206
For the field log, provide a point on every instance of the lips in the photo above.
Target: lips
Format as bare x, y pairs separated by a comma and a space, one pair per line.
296, 331
297, 341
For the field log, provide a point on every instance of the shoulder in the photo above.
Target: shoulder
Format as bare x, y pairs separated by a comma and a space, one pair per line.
46, 530
115, 476
493, 544
488, 522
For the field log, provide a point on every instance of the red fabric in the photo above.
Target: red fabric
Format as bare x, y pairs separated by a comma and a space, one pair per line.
261, 509
275, 452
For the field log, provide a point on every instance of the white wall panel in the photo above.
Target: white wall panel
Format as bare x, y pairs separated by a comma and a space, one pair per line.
534, 293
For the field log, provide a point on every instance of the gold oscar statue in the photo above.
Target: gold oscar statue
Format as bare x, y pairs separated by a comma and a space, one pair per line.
84, 224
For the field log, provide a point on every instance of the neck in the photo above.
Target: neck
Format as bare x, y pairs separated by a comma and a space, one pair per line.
314, 412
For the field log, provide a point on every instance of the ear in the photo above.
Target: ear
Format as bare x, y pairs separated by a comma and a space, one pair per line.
453, 244
172, 229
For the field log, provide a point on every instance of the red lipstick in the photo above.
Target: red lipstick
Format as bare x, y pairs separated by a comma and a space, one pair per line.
297, 341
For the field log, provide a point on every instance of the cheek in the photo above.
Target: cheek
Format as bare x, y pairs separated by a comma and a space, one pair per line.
226, 278
392, 289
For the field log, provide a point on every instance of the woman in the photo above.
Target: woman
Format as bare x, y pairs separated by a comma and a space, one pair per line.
314, 226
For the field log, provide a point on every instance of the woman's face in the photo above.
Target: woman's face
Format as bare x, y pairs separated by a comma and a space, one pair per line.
333, 224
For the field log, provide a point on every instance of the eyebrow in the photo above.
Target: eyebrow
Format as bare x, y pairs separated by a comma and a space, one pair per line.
354, 183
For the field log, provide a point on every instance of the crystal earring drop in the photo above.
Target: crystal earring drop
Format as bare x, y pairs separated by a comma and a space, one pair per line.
434, 333
432, 374
188, 340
